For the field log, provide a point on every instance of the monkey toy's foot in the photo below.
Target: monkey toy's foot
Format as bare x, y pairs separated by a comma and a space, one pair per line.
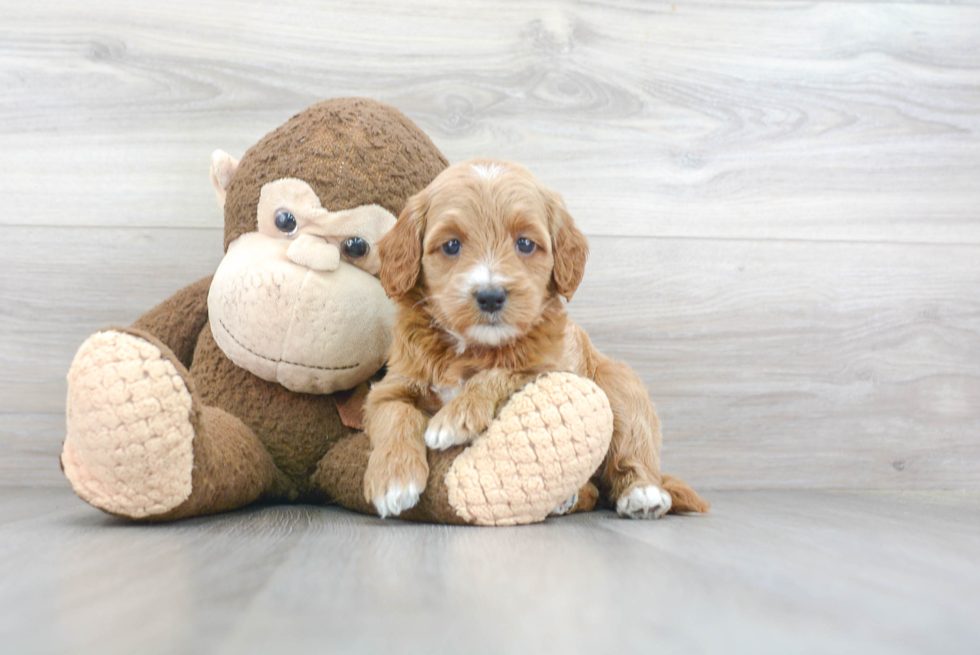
545, 445
128, 449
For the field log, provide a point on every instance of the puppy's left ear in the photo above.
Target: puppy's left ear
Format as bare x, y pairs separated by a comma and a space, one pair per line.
400, 250
569, 246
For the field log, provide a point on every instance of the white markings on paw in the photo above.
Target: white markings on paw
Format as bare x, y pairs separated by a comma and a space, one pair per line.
440, 438
566, 506
649, 502
397, 500
447, 429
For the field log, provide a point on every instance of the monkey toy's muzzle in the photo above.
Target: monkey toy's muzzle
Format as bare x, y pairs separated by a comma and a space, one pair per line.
295, 313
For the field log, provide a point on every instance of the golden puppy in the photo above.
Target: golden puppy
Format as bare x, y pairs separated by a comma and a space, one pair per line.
476, 265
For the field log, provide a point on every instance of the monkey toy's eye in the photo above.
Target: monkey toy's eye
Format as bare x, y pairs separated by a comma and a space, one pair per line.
355, 247
285, 222
526, 246
452, 247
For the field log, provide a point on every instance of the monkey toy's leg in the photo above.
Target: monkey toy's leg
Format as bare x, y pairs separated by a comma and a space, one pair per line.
542, 447
141, 446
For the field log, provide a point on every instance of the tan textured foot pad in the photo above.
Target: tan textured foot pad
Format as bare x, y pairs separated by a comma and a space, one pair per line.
128, 450
546, 443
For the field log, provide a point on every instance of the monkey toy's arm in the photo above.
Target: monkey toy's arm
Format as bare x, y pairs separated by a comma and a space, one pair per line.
179, 319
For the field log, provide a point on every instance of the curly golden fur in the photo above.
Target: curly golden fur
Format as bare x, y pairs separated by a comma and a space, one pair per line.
477, 265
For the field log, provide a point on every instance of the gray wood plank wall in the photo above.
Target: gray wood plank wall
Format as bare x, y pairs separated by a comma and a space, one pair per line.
783, 198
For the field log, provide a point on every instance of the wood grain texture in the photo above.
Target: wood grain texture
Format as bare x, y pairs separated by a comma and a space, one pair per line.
765, 572
30, 449
87, 279
782, 198
799, 365
741, 119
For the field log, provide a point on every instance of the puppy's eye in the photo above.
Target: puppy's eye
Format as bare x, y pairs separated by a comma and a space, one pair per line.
526, 246
285, 222
355, 247
452, 247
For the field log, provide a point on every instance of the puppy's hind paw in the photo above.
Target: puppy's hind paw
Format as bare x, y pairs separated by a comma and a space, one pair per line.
650, 502
566, 506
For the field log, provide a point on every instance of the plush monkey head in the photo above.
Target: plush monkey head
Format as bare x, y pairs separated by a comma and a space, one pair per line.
296, 299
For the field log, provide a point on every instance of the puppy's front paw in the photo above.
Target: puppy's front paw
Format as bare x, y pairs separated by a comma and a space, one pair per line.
459, 422
394, 480
650, 502
397, 499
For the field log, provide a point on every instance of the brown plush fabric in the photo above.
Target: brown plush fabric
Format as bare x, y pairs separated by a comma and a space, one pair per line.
350, 405
340, 476
296, 428
434, 506
231, 466
179, 319
251, 438
239, 438
352, 151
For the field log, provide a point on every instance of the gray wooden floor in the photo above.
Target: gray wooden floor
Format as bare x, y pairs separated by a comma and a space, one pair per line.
765, 572
783, 205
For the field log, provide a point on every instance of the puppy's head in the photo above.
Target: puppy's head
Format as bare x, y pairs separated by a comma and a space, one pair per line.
484, 247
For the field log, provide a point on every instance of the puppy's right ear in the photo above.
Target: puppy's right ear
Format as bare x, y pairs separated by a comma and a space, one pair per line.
400, 249
570, 246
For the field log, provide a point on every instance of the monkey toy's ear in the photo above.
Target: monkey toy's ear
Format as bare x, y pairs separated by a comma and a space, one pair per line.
223, 167
400, 250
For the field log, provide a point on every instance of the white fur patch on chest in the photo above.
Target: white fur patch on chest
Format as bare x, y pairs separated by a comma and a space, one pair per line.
492, 335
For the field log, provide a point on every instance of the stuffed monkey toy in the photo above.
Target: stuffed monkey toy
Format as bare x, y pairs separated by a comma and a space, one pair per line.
248, 385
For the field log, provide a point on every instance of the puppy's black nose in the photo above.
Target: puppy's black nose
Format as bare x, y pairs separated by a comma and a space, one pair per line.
491, 300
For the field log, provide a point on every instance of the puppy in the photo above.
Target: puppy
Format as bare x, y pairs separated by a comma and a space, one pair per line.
477, 265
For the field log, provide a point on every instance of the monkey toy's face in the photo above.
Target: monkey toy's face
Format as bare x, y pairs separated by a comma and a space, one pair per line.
297, 301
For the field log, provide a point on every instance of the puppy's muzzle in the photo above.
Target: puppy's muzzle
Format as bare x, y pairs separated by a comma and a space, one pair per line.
490, 300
